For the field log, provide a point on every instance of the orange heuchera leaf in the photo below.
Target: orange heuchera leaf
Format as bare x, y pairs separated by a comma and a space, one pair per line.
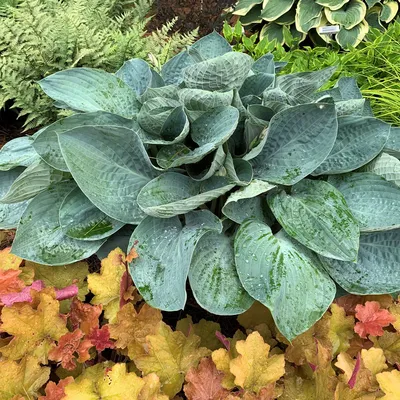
8, 260
100, 338
351, 301
9, 281
56, 391
372, 319
132, 255
204, 383
84, 316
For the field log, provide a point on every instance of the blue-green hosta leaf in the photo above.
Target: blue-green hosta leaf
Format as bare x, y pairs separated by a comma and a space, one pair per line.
332, 4
284, 276
89, 90
238, 171
316, 215
350, 107
169, 91
264, 65
213, 277
10, 214
389, 10
359, 140
258, 120
299, 139
348, 88
173, 70
222, 73
35, 179
118, 239
348, 38
209, 131
39, 237
386, 166
308, 15
273, 9
374, 201
378, 267
393, 143
17, 153
173, 194
256, 84
211, 46
80, 219
208, 166
166, 249
244, 6
247, 203
110, 165
350, 15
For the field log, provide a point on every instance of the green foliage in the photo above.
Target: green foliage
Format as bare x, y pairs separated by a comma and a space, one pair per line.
40, 37
249, 184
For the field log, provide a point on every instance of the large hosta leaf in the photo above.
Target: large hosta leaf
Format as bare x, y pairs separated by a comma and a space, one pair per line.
299, 140
283, 275
393, 143
118, 239
213, 277
359, 140
89, 90
39, 236
173, 194
208, 166
165, 249
308, 15
17, 153
211, 46
110, 165
316, 214
378, 267
389, 10
173, 70
386, 166
272, 31
244, 6
332, 4
348, 38
350, 15
374, 201
273, 9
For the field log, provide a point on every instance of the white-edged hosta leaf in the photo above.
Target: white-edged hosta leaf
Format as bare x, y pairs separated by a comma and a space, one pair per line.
252, 17
208, 166
373, 201
308, 15
350, 15
118, 239
222, 73
272, 31
89, 90
110, 165
371, 3
299, 139
165, 249
348, 38
393, 143
273, 9
332, 4
39, 237
211, 46
389, 10
283, 275
373, 18
17, 152
288, 18
80, 219
386, 166
244, 6
173, 194
378, 267
214, 279
359, 140
316, 214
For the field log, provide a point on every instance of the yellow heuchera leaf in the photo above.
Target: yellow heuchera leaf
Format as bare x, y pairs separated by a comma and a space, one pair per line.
151, 388
253, 369
389, 382
389, 342
8, 260
106, 286
222, 361
374, 360
22, 379
257, 314
341, 329
170, 355
394, 309
34, 330
296, 387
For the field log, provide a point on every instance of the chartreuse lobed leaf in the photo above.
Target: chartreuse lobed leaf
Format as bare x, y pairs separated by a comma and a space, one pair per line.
17, 152
284, 276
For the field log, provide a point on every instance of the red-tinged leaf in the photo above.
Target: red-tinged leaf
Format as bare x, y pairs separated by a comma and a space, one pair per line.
56, 391
126, 289
223, 339
23, 296
100, 338
132, 254
372, 319
312, 366
351, 301
67, 292
84, 316
353, 378
9, 281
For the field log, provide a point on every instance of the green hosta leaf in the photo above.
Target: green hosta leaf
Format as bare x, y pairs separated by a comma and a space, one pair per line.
299, 139
374, 201
110, 165
393, 143
252, 17
272, 31
39, 237
244, 6
389, 10
222, 73
287, 18
359, 140
17, 153
35, 179
284, 276
247, 203
273, 9
213, 163
316, 215
80, 219
373, 18
371, 3
173, 194
213, 277
332, 4
350, 15
308, 15
348, 38
211, 46
10, 214
378, 267
386, 166
166, 249
89, 90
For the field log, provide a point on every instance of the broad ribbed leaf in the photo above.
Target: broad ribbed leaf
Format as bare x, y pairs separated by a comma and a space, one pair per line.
214, 279
89, 90
39, 237
244, 6
332, 4
253, 16
264, 65
208, 166
316, 214
173, 70
389, 10
110, 165
348, 38
284, 276
350, 107
299, 140
393, 143
386, 166
211, 46
80, 219
272, 31
166, 249
374, 201
273, 9
348, 88
287, 18
238, 171
378, 267
256, 84
308, 15
17, 152
350, 15
169, 91
173, 194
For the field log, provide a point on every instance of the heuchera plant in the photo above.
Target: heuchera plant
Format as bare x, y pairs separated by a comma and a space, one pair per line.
249, 184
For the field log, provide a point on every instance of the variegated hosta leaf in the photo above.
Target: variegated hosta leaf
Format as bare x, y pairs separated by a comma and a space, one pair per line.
347, 38
308, 15
272, 31
299, 139
39, 237
386, 166
211, 46
350, 15
273, 9
288, 18
332, 4
89, 90
389, 10
110, 165
373, 18
371, 3
378, 267
244, 6
214, 279
166, 249
17, 152
80, 219
316, 214
253, 16
173, 194
284, 276
374, 201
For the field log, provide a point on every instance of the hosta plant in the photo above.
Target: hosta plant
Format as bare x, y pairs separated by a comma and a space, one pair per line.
247, 184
